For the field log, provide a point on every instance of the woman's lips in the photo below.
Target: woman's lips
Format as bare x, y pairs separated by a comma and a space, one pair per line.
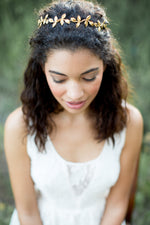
75, 105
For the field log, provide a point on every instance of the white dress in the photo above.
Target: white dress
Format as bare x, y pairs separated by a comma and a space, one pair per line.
70, 193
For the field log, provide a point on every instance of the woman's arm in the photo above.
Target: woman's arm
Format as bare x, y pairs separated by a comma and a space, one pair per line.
117, 202
19, 169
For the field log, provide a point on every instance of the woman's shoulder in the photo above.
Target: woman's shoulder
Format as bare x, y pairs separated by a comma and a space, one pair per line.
134, 133
15, 131
135, 119
15, 121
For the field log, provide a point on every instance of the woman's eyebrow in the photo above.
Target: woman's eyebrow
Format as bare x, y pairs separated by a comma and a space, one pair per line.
90, 70
58, 73
86, 72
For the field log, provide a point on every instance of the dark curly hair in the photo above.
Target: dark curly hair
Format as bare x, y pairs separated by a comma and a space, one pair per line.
38, 102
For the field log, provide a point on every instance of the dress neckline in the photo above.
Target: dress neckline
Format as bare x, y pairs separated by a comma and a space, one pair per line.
49, 141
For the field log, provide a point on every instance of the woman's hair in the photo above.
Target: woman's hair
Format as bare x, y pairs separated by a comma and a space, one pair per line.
37, 99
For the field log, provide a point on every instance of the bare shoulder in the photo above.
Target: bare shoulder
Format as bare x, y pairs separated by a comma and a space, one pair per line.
134, 133
14, 131
135, 120
15, 120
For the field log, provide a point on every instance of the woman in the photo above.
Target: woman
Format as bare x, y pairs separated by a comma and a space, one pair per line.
73, 145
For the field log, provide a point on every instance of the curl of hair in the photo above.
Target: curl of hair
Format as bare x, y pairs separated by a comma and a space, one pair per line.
37, 100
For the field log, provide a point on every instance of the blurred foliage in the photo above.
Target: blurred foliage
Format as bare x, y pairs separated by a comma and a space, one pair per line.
129, 21
5, 212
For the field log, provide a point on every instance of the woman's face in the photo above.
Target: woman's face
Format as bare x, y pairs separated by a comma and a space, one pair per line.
74, 78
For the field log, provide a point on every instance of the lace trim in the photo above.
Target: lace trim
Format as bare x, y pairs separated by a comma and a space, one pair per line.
80, 177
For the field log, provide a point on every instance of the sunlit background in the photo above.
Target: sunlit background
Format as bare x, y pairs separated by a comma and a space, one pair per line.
129, 21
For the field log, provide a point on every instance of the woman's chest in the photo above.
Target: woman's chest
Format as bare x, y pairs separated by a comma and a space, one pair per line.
76, 145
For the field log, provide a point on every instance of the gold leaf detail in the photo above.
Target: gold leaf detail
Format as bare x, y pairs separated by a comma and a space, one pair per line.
55, 18
39, 23
54, 24
62, 19
63, 16
91, 23
86, 23
51, 20
88, 17
102, 25
46, 16
78, 21
98, 23
78, 24
67, 21
87, 20
55, 21
73, 19
79, 18
47, 21
61, 22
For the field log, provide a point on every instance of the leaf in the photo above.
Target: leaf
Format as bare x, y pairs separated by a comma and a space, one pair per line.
63, 16
99, 29
91, 23
86, 23
61, 21
55, 18
78, 24
51, 20
67, 21
79, 18
88, 17
73, 19
54, 24
46, 16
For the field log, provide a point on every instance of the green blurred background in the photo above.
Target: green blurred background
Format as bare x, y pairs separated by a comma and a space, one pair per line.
129, 21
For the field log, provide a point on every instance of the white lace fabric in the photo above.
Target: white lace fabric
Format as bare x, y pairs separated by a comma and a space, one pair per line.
80, 177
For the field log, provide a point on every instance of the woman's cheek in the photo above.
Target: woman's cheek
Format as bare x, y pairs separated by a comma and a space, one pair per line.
56, 90
94, 88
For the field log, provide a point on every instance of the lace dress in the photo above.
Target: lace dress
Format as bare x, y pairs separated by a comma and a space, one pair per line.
70, 193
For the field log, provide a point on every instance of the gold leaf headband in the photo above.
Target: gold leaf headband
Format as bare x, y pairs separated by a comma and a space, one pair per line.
78, 21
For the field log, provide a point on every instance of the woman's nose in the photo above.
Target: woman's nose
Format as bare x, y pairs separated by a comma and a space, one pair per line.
75, 91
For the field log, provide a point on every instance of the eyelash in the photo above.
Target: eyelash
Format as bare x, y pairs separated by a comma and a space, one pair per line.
88, 80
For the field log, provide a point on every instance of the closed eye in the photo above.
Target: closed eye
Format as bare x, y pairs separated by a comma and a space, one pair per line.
58, 81
86, 79
89, 79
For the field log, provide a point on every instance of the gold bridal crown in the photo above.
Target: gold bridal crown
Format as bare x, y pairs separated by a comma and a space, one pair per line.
78, 21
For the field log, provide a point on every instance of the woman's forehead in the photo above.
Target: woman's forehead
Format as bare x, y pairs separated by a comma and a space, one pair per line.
62, 54
66, 60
